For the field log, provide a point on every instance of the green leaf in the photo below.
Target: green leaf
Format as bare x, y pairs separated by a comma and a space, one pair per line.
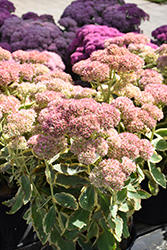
78, 219
66, 200
126, 233
104, 202
37, 219
155, 158
26, 184
9, 203
63, 244
113, 210
4, 153
153, 187
124, 207
83, 244
161, 132
93, 230
71, 235
87, 198
121, 195
159, 144
18, 201
62, 220
118, 227
157, 175
106, 241
50, 174
140, 194
73, 181
70, 169
49, 220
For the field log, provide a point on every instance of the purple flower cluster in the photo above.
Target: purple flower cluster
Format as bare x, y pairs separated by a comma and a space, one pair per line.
160, 35
113, 13
6, 8
33, 34
88, 39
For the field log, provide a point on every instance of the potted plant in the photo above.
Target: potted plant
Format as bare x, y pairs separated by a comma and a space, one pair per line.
78, 155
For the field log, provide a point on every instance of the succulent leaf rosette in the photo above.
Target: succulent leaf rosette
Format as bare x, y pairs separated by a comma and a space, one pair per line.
78, 155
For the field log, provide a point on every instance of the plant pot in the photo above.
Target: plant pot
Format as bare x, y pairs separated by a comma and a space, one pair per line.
13, 228
126, 244
154, 209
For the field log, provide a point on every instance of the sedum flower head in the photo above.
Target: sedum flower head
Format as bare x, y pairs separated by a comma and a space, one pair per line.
45, 146
20, 122
159, 92
108, 174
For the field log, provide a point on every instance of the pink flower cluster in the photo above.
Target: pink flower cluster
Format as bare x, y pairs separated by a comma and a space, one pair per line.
96, 68
110, 173
126, 39
128, 145
45, 146
8, 104
19, 122
32, 56
137, 119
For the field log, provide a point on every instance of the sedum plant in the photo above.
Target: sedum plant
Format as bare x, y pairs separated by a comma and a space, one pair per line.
78, 155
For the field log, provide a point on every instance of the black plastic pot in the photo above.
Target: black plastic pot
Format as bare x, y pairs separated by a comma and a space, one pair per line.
154, 209
14, 231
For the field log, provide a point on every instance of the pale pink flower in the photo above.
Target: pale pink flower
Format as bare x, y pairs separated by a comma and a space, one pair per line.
62, 75
101, 146
153, 111
159, 92
108, 174
149, 76
144, 51
57, 84
146, 149
122, 102
54, 125
5, 54
128, 166
43, 98
18, 142
78, 92
32, 56
46, 147
26, 72
84, 126
108, 116
144, 97
162, 50
9, 104
40, 69
127, 39
9, 72
146, 118
91, 70
20, 122
87, 157
25, 89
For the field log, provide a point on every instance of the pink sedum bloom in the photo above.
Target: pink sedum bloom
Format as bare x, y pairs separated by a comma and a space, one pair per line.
146, 149
20, 122
45, 147
9, 104
159, 92
108, 174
